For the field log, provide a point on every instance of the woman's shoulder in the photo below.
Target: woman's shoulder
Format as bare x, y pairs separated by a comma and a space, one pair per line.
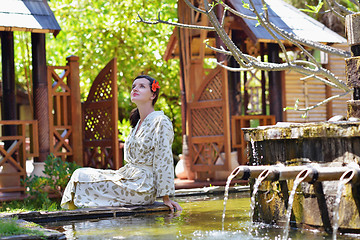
160, 118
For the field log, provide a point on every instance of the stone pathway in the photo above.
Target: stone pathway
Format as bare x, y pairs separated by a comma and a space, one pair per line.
86, 213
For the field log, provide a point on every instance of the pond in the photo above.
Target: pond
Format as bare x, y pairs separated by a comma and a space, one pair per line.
201, 218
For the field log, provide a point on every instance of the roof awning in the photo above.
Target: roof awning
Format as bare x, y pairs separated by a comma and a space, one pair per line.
28, 15
289, 19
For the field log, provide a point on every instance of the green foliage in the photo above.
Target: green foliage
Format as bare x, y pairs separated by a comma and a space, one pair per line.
57, 175
106, 29
9, 227
313, 9
296, 106
313, 4
245, 5
124, 129
59, 172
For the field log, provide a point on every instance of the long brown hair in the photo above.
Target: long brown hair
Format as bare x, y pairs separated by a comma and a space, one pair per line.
134, 114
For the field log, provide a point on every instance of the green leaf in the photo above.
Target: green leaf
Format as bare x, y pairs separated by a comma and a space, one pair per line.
313, 9
245, 5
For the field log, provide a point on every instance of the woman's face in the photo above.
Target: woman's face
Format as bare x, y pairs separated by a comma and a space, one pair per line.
141, 91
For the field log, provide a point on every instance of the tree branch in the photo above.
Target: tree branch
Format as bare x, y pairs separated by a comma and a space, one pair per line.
247, 62
181, 25
322, 102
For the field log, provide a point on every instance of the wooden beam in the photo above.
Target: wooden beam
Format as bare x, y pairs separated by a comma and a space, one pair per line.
40, 94
8, 82
276, 88
76, 138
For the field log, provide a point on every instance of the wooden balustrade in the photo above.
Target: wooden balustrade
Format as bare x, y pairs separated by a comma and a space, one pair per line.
14, 151
239, 122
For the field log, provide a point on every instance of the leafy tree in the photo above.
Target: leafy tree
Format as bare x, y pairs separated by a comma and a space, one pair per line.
98, 31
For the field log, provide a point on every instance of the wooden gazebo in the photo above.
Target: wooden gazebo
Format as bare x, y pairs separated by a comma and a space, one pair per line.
85, 133
216, 103
36, 17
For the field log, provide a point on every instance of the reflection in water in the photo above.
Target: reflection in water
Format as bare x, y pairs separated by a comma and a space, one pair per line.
201, 218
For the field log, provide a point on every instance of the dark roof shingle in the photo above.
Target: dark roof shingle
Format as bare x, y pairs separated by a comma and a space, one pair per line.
27, 15
289, 19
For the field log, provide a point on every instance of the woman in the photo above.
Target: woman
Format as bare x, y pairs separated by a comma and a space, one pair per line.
149, 172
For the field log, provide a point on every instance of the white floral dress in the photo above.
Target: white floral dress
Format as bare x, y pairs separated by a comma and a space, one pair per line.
149, 172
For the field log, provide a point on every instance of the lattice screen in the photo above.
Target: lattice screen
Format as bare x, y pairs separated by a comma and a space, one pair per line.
209, 117
101, 146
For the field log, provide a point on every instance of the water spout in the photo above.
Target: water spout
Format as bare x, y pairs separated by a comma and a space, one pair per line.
351, 175
226, 195
263, 175
276, 172
302, 176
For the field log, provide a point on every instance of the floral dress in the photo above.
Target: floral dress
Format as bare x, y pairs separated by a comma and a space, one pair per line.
149, 172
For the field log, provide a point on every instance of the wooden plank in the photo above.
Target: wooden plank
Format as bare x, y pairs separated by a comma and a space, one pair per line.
206, 104
208, 139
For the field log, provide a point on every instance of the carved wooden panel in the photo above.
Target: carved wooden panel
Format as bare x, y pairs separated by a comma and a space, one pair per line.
100, 115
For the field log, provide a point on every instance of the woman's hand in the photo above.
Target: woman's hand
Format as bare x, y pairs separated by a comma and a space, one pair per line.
174, 206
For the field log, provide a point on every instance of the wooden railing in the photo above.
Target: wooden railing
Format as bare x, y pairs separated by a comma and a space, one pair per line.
239, 122
65, 111
14, 150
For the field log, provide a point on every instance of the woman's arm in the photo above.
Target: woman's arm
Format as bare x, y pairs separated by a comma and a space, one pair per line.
174, 206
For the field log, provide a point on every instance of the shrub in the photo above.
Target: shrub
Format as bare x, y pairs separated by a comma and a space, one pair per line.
41, 188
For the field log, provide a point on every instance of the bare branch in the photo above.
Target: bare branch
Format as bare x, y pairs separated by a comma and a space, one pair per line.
311, 69
181, 25
290, 36
322, 102
320, 79
334, 10
223, 17
236, 13
194, 8
262, 22
315, 45
343, 8
237, 54
234, 69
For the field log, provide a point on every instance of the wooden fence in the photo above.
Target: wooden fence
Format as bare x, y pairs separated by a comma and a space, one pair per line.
239, 122
14, 150
65, 111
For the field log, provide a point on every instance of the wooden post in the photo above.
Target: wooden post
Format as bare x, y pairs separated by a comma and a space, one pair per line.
219, 43
184, 14
352, 64
75, 117
275, 84
8, 82
40, 92
263, 81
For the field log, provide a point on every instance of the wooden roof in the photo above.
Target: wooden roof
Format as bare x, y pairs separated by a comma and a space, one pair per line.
288, 18
27, 15
281, 14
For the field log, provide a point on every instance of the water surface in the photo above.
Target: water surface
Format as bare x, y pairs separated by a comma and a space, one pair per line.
200, 219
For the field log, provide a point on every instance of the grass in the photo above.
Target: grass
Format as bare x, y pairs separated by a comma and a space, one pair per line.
10, 227
29, 205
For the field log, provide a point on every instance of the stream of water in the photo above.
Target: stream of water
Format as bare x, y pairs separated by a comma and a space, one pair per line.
336, 209
200, 219
226, 197
289, 209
